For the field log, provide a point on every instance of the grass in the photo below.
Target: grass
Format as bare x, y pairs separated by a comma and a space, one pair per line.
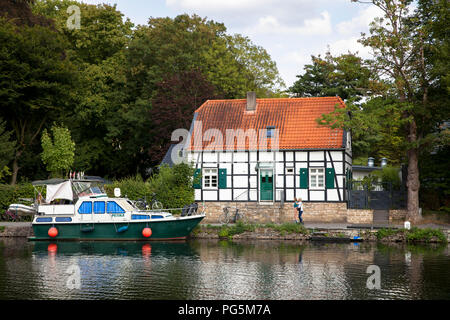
414, 234
386, 232
288, 227
426, 234
228, 231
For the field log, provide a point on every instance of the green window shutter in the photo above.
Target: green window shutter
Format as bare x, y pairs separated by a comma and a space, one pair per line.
303, 178
197, 180
222, 178
329, 178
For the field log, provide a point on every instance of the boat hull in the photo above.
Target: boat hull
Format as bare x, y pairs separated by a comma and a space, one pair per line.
161, 230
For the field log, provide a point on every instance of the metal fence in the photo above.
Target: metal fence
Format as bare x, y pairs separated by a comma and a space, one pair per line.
375, 195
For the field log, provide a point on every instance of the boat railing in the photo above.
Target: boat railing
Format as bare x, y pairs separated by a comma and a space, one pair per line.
200, 210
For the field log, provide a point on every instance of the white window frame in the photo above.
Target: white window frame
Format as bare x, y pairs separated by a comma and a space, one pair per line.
208, 175
313, 173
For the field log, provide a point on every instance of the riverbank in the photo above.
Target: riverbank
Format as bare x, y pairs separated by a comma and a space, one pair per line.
335, 232
323, 232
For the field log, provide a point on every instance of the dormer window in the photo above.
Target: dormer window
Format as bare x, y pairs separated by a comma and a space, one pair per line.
270, 131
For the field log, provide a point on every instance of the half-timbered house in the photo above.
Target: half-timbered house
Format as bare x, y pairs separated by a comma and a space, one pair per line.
267, 152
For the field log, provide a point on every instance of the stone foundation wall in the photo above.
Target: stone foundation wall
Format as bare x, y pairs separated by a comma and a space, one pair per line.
275, 213
359, 216
396, 215
332, 212
317, 212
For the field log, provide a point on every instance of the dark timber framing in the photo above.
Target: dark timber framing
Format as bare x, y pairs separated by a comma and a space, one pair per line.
289, 192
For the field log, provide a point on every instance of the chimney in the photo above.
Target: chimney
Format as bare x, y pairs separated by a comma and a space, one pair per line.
251, 101
383, 162
370, 162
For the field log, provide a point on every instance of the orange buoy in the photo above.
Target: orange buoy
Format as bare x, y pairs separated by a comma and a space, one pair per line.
52, 232
147, 232
52, 248
146, 250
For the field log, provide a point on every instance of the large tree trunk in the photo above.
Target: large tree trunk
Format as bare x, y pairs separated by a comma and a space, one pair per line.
15, 167
413, 183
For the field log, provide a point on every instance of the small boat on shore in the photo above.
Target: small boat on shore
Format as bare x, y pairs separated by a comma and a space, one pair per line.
21, 209
81, 210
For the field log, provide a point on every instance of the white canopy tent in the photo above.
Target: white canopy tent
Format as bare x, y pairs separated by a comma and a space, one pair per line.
59, 191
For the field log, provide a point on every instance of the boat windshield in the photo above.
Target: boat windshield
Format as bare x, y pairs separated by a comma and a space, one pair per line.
87, 188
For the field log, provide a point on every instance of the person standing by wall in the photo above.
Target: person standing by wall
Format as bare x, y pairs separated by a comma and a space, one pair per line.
300, 209
296, 203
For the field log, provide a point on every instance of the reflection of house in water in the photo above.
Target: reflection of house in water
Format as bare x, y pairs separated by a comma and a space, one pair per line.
271, 270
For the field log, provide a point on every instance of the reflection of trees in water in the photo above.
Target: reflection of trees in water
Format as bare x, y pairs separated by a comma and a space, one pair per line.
271, 269
403, 270
17, 274
223, 270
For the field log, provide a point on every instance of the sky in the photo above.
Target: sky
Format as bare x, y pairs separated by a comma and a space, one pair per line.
290, 30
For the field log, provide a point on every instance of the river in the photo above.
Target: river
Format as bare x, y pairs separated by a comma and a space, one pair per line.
206, 269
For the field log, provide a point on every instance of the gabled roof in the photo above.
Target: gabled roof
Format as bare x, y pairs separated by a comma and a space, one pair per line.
294, 118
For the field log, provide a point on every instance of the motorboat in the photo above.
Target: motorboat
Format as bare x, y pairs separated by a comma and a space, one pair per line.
80, 209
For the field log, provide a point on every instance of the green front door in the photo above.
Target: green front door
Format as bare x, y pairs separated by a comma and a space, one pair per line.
266, 184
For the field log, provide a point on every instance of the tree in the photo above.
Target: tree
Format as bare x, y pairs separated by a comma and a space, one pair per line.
36, 82
233, 64
6, 149
20, 13
161, 58
345, 76
399, 41
98, 50
176, 99
58, 150
348, 77
103, 32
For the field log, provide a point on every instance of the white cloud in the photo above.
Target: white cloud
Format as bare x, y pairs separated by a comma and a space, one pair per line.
349, 44
360, 22
216, 5
271, 25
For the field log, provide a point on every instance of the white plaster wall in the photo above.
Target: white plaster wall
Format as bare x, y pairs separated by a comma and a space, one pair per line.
225, 194
315, 155
210, 195
300, 156
317, 195
210, 157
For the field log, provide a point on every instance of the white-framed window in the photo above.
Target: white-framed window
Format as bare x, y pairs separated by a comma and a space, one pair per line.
210, 178
289, 170
316, 178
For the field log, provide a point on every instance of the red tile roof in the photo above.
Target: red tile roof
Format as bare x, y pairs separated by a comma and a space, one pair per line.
295, 118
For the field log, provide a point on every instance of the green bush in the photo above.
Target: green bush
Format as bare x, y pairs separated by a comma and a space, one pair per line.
238, 228
288, 227
172, 186
224, 232
386, 232
414, 234
426, 234
132, 187
389, 175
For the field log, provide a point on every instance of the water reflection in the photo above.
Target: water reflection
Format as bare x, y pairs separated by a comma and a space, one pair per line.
219, 270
